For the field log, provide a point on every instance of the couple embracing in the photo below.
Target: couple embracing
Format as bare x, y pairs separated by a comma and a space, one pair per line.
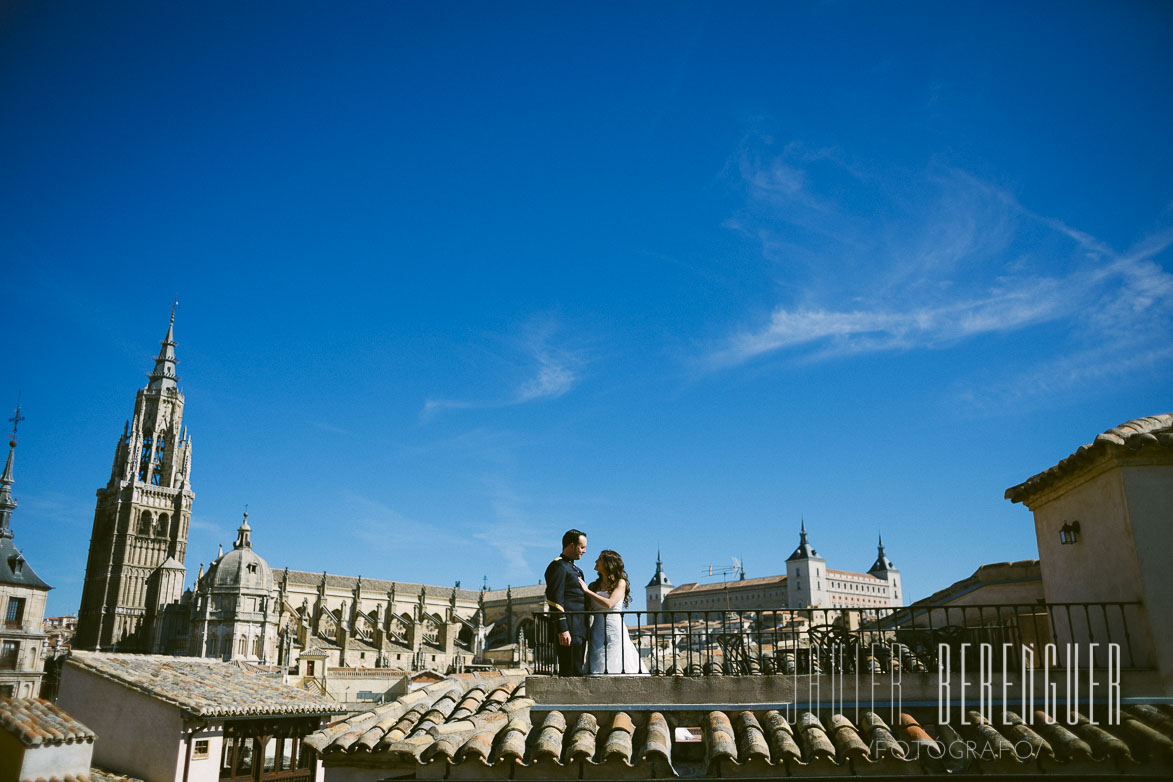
609, 650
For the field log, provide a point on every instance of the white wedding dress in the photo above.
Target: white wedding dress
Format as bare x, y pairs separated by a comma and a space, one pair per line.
611, 652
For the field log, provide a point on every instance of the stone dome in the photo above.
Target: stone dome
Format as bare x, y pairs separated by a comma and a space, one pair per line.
241, 569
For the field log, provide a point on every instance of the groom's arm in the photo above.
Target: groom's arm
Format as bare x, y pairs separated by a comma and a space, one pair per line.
556, 595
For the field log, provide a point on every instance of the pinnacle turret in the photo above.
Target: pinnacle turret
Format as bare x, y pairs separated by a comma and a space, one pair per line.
164, 374
660, 578
882, 562
804, 550
242, 534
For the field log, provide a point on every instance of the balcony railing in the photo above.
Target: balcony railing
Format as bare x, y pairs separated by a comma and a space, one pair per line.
849, 640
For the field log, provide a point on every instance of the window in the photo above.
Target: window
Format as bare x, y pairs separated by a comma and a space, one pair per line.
9, 655
270, 755
286, 754
257, 647
161, 526
213, 646
244, 763
1069, 533
243, 645
199, 750
144, 461
14, 615
157, 466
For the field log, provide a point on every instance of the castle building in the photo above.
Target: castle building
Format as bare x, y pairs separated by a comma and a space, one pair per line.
139, 538
22, 601
808, 583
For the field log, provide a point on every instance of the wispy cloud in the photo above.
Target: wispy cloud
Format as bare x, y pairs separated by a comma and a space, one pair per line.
57, 509
512, 534
383, 529
553, 370
869, 263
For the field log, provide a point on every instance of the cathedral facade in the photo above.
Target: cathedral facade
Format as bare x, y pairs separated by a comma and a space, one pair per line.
139, 538
133, 598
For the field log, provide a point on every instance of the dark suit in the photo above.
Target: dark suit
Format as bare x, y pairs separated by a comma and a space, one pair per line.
564, 593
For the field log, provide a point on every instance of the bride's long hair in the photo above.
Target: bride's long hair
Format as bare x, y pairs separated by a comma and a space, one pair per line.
613, 570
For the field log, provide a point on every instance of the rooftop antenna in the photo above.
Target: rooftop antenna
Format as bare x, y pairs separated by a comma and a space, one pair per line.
724, 571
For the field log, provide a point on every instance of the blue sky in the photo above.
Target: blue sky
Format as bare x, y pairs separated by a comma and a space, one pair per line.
455, 278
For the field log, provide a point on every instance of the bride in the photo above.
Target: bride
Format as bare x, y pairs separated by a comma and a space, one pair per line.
611, 651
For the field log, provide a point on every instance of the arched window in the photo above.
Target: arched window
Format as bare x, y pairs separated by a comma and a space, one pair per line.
257, 647
144, 462
162, 525
243, 645
213, 646
144, 523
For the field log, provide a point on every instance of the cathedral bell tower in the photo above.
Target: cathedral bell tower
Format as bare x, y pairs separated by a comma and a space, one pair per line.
139, 537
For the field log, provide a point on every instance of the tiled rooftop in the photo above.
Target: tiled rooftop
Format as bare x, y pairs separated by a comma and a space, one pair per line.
482, 730
1154, 431
36, 723
993, 573
208, 688
694, 587
101, 775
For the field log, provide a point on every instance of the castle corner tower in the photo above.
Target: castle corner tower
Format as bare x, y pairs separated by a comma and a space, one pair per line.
656, 590
141, 519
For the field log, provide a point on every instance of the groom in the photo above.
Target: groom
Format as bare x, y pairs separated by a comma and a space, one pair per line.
564, 593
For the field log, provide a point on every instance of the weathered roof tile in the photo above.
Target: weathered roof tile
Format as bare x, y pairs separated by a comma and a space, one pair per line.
37, 722
206, 688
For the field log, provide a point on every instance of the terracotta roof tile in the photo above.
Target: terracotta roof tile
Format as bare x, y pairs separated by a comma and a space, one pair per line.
483, 743
208, 688
1140, 433
37, 722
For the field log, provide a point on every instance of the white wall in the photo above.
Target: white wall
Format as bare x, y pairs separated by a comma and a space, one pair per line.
1110, 560
1149, 492
46, 762
138, 735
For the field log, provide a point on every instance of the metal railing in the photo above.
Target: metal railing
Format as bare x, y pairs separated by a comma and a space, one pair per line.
825, 640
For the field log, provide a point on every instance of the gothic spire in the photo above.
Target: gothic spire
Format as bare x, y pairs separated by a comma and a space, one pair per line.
164, 374
7, 501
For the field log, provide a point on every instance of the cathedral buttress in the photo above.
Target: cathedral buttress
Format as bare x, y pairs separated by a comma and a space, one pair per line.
139, 538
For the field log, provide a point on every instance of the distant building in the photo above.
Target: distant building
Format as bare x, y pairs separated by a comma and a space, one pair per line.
22, 601
133, 599
174, 718
1102, 520
808, 583
139, 539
